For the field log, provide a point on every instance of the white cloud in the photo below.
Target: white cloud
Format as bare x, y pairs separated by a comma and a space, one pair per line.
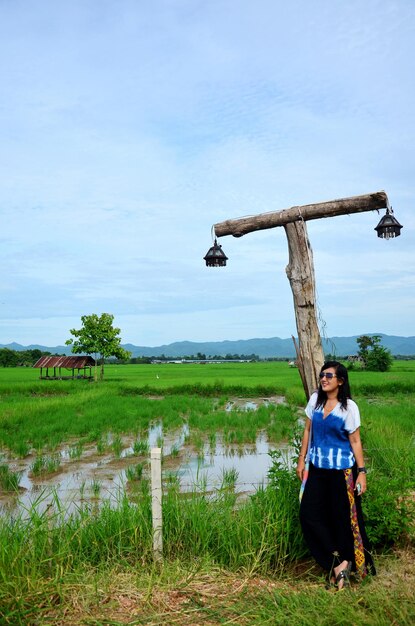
128, 130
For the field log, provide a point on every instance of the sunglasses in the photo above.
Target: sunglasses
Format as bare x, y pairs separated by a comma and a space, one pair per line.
327, 375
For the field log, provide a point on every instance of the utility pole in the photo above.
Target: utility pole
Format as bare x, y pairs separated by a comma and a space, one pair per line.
300, 268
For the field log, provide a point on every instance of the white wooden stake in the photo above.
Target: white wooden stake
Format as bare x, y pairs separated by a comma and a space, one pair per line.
156, 497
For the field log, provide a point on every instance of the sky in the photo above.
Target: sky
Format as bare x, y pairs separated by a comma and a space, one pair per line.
129, 127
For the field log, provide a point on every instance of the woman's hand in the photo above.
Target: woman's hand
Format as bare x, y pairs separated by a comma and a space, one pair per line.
300, 467
360, 480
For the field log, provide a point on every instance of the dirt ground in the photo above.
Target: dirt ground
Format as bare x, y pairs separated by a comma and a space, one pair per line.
217, 597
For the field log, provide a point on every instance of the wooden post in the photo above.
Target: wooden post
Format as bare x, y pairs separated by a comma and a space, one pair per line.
156, 499
300, 272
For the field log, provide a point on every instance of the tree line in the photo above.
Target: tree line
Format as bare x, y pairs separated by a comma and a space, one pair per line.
23, 358
195, 357
99, 337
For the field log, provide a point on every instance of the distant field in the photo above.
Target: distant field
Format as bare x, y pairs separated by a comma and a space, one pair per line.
160, 376
42, 413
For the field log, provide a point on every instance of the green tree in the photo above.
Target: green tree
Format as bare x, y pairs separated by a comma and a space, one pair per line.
375, 357
98, 337
8, 358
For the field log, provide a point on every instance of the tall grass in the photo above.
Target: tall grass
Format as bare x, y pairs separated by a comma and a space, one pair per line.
257, 535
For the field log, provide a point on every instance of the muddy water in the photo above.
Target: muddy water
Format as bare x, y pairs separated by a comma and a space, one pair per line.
97, 477
250, 462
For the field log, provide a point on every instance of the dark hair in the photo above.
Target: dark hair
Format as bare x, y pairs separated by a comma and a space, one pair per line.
343, 392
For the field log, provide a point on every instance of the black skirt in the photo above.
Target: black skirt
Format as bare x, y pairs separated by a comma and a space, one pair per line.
326, 521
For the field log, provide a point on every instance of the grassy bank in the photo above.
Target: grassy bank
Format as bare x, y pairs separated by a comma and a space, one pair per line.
55, 569
203, 594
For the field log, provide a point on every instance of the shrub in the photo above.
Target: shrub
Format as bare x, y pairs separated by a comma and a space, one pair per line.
389, 510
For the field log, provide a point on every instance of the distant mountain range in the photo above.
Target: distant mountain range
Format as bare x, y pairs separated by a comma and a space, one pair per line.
264, 348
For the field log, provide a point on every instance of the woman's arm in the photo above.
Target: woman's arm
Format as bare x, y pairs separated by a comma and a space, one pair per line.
303, 449
357, 448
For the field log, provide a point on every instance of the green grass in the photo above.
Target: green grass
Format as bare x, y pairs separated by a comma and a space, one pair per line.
255, 551
203, 594
59, 565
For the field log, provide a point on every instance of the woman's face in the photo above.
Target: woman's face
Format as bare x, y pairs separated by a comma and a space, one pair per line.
330, 383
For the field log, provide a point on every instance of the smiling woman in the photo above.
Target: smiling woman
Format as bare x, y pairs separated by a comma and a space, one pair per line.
330, 512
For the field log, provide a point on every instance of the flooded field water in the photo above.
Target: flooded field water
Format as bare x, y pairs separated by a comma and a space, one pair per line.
105, 474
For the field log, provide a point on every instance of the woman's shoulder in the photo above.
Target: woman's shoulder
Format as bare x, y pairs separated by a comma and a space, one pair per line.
313, 399
351, 405
351, 408
311, 404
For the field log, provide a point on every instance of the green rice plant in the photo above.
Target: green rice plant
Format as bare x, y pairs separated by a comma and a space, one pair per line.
196, 441
175, 450
117, 446
9, 479
82, 489
250, 435
134, 472
102, 444
212, 442
200, 456
141, 447
160, 442
229, 478
95, 488
22, 449
230, 437
171, 480
45, 464
76, 451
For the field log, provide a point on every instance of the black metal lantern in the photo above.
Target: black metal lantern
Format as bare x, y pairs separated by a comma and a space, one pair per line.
215, 256
388, 226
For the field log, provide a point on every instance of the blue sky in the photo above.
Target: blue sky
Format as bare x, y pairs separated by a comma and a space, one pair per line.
129, 127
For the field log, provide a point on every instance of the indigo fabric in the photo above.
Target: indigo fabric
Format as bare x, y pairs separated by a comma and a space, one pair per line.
330, 445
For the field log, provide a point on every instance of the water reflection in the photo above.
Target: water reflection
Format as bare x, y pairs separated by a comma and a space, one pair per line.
100, 471
250, 462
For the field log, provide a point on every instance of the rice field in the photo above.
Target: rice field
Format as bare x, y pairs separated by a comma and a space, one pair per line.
55, 428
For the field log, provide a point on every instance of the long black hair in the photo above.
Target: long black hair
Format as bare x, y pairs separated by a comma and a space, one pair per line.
343, 391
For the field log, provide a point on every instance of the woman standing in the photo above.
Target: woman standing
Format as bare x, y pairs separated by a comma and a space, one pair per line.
330, 512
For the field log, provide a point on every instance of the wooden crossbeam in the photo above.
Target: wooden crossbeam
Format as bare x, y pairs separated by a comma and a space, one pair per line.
332, 208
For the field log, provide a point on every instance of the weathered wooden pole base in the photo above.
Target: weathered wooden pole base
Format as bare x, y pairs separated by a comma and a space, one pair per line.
300, 272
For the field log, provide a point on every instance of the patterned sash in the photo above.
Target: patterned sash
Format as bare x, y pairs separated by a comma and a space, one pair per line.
359, 551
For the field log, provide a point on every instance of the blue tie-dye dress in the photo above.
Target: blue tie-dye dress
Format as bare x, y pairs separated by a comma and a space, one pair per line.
330, 445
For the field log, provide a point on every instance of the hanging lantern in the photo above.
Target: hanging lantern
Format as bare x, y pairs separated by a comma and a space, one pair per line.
388, 226
215, 256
